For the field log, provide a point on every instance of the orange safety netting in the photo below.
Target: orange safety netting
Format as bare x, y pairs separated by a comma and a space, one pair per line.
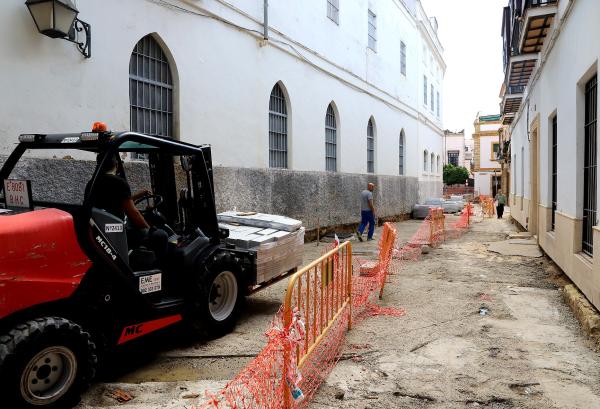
299, 350
260, 383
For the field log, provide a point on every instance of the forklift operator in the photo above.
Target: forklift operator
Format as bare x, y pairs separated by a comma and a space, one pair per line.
113, 194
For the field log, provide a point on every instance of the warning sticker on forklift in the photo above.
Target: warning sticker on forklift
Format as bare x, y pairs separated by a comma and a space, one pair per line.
151, 283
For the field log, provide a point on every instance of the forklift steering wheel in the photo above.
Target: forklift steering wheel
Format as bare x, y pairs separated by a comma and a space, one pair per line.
157, 199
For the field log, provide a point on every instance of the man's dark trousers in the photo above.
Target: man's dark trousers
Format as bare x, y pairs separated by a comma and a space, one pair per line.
366, 217
500, 210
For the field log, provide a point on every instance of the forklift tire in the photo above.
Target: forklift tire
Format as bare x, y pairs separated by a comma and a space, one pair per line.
45, 363
220, 300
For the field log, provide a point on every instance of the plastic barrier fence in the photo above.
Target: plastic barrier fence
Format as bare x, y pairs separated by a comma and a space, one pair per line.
318, 295
306, 336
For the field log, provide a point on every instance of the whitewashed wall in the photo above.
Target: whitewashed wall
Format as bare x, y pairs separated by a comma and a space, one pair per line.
224, 77
559, 89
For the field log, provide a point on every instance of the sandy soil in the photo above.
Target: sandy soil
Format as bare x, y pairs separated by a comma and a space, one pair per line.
527, 352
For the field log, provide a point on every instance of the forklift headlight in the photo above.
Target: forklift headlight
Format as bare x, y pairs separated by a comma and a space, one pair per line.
30, 137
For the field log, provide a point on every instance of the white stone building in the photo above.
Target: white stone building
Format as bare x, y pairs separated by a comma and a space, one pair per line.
457, 150
551, 102
352, 88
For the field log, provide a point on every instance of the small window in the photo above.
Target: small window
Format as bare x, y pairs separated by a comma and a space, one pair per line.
439, 165
330, 140
372, 31
425, 90
425, 156
432, 103
438, 104
278, 138
333, 10
495, 150
453, 157
432, 163
401, 153
370, 147
402, 58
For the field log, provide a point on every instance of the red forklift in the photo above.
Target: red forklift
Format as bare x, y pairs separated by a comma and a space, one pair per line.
73, 287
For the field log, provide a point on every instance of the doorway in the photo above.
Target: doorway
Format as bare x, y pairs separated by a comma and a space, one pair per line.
534, 172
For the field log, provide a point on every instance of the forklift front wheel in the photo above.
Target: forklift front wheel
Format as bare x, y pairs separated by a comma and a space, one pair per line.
223, 295
221, 300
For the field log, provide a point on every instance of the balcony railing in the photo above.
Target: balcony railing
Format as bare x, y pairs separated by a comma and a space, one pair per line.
515, 89
538, 3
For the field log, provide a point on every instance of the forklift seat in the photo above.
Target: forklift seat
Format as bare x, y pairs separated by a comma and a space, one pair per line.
114, 229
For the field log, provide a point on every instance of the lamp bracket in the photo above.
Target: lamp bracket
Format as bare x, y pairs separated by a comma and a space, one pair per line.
83, 46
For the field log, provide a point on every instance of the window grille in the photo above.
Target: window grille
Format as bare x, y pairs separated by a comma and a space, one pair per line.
453, 157
278, 143
401, 153
425, 161
432, 163
333, 10
432, 102
372, 31
554, 167
330, 140
402, 58
589, 166
370, 147
150, 91
425, 90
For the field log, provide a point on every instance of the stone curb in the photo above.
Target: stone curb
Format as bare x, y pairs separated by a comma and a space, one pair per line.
584, 311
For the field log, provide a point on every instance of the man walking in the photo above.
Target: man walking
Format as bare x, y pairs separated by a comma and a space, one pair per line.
501, 202
367, 213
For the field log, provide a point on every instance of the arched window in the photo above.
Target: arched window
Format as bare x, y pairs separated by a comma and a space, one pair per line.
370, 146
330, 140
278, 131
425, 156
432, 163
439, 164
401, 153
150, 89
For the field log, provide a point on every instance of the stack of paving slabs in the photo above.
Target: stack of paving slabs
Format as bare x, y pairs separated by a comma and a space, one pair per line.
277, 240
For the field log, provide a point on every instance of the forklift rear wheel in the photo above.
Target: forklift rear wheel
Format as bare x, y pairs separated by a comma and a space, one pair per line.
46, 363
221, 300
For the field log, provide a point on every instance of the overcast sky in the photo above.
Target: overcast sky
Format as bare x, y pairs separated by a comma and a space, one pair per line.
470, 34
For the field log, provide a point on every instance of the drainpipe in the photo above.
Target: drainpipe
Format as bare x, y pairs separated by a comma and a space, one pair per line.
266, 20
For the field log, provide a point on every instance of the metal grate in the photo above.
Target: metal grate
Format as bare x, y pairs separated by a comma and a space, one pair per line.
402, 58
150, 90
370, 147
589, 166
401, 153
453, 157
278, 152
372, 31
330, 140
333, 10
432, 101
554, 167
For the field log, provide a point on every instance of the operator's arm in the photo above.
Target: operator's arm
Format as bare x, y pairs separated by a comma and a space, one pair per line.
134, 214
141, 193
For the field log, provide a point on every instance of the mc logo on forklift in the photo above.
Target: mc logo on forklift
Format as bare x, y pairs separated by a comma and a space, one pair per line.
134, 331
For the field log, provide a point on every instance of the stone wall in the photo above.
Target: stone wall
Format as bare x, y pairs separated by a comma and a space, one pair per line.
317, 198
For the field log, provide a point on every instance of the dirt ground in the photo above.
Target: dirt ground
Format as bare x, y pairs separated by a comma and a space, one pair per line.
527, 351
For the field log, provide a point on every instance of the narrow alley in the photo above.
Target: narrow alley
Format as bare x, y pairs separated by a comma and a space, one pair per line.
481, 330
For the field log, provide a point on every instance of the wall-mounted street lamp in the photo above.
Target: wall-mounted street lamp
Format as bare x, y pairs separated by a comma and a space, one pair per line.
58, 19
